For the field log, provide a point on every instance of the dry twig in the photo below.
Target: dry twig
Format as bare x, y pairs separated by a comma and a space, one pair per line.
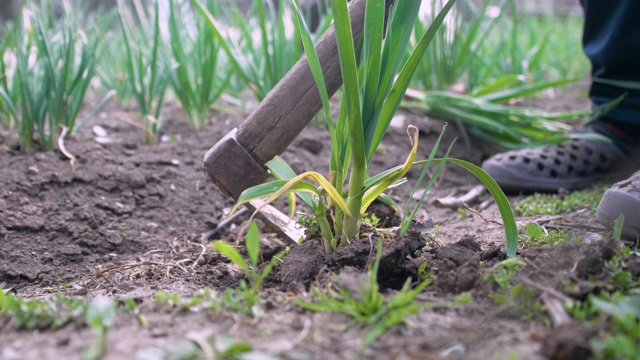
454, 202
480, 215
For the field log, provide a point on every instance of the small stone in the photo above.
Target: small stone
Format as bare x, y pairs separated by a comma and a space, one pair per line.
63, 341
103, 140
99, 131
296, 287
591, 237
454, 351
79, 290
33, 170
417, 195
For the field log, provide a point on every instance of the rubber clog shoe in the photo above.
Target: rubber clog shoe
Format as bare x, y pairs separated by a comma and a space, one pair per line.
622, 198
571, 165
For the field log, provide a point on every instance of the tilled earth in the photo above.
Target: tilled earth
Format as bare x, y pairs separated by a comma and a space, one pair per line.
129, 222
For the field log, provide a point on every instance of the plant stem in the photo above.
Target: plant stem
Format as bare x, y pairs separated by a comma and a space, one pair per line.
349, 70
351, 223
325, 227
338, 183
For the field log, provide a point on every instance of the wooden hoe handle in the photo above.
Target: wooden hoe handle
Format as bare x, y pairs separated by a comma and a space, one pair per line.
237, 161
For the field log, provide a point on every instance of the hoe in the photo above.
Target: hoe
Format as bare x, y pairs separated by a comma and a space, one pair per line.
237, 161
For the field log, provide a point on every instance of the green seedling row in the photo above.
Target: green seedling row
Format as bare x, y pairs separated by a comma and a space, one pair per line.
196, 51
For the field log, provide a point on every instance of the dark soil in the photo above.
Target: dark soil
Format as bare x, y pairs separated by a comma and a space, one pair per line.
129, 222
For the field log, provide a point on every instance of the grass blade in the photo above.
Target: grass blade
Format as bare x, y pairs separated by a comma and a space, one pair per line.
253, 243
625, 84
407, 217
506, 212
526, 90
349, 70
231, 253
372, 58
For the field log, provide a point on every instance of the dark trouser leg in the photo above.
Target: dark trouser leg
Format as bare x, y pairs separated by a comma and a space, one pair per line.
611, 40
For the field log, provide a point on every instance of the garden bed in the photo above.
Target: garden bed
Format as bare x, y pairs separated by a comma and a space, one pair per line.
128, 224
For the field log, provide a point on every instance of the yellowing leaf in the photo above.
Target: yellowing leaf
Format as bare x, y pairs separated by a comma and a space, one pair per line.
394, 176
